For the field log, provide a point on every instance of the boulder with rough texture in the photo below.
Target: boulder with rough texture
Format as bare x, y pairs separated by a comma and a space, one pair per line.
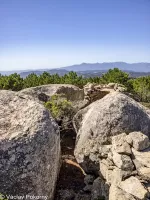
123, 162
94, 92
29, 147
120, 145
125, 173
96, 124
106, 171
142, 157
133, 186
44, 92
144, 172
104, 150
116, 193
119, 175
138, 140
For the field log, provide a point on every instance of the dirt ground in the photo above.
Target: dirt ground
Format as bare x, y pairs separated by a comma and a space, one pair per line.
70, 177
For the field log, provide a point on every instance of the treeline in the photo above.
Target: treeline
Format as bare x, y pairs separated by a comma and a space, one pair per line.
139, 86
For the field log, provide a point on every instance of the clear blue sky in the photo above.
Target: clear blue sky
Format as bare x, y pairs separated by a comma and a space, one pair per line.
53, 33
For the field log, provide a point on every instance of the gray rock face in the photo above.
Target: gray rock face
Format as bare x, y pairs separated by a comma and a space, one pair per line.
44, 92
119, 175
123, 162
144, 172
112, 115
116, 193
127, 180
120, 145
105, 170
133, 186
142, 157
29, 147
138, 140
104, 131
94, 92
100, 189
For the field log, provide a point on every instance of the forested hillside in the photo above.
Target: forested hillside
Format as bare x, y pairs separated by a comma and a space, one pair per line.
139, 86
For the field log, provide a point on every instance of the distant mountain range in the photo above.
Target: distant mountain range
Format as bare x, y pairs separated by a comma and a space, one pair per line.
137, 67
92, 69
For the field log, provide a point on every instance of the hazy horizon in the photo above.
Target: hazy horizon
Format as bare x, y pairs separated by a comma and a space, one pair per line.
63, 67
52, 34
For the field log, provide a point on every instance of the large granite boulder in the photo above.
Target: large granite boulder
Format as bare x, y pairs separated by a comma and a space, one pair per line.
44, 92
29, 147
96, 124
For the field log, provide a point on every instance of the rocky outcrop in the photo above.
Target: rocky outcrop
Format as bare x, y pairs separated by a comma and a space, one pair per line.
121, 179
93, 92
138, 140
96, 124
44, 92
131, 181
117, 194
143, 158
133, 186
29, 147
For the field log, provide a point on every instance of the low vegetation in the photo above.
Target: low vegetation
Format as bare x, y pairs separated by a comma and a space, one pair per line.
137, 86
145, 104
60, 107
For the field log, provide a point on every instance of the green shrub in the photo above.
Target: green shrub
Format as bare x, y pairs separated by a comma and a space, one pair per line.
145, 104
60, 107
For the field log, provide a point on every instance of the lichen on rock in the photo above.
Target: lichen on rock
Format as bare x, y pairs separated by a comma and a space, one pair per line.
29, 146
